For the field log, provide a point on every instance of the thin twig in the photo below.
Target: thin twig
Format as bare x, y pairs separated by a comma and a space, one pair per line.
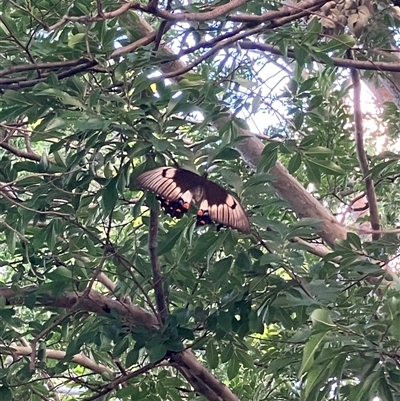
122, 379
59, 320
155, 266
212, 51
61, 75
16, 40
361, 154
43, 25
17, 233
289, 9
144, 41
369, 65
42, 66
124, 8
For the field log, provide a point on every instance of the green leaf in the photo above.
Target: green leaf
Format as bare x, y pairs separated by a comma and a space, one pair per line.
168, 242
269, 157
318, 151
110, 196
75, 39
302, 54
227, 353
322, 316
381, 168
327, 167
157, 352
11, 239
315, 380
294, 163
244, 358
307, 84
5, 394
233, 368
212, 355
132, 357
313, 30
367, 386
309, 351
298, 120
220, 269
394, 329
343, 42
384, 390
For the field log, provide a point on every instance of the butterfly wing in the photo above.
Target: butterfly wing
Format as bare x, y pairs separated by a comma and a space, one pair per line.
221, 207
174, 187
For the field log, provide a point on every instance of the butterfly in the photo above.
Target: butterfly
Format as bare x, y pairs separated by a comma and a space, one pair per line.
176, 188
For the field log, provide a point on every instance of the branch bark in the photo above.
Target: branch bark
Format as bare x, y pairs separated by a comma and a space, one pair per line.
188, 361
94, 302
79, 359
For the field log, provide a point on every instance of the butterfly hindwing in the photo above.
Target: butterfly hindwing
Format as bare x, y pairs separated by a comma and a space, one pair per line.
172, 187
223, 208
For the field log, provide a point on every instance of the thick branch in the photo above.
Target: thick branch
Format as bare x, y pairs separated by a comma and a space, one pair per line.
94, 302
21, 153
79, 359
189, 362
301, 202
199, 386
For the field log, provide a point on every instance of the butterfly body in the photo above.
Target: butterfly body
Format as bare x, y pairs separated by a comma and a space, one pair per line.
178, 188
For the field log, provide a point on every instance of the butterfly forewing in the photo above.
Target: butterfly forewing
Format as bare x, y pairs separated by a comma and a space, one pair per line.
168, 182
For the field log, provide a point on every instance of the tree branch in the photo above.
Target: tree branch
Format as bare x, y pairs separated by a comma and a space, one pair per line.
61, 75
94, 302
122, 379
289, 9
42, 66
205, 16
21, 153
100, 17
338, 62
200, 387
79, 359
133, 46
155, 266
188, 361
361, 154
46, 330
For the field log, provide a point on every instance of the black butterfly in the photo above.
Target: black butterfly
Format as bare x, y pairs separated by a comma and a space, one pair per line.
176, 188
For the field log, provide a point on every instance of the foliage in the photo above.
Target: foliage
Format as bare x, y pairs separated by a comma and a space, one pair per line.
82, 115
